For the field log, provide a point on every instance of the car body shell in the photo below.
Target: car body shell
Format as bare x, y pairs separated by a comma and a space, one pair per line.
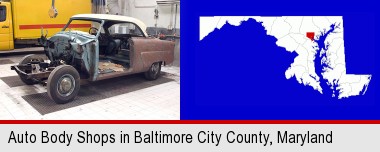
81, 49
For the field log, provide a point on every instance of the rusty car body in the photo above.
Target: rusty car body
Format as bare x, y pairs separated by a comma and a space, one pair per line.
102, 53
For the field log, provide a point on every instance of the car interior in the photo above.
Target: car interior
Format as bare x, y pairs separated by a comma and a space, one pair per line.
114, 48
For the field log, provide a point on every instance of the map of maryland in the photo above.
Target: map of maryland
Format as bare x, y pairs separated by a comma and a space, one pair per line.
319, 43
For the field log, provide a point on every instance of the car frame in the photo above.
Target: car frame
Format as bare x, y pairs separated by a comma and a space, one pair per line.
75, 55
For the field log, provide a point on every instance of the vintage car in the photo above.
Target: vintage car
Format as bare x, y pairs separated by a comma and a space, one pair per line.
114, 46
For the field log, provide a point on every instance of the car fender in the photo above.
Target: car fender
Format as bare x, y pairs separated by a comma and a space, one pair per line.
147, 51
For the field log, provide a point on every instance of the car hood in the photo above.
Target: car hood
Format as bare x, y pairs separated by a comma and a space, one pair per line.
79, 37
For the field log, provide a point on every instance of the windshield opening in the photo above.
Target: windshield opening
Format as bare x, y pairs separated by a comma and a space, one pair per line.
82, 25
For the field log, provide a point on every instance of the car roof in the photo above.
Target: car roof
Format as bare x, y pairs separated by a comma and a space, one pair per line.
109, 17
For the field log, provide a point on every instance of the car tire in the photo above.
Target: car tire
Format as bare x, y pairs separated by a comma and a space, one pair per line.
31, 57
25, 60
63, 84
154, 71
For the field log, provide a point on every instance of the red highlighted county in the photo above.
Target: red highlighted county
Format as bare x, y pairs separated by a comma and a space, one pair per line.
310, 35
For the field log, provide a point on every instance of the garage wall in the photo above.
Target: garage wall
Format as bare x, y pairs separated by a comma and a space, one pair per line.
144, 10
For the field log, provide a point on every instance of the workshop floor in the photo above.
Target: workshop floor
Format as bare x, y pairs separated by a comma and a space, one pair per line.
144, 101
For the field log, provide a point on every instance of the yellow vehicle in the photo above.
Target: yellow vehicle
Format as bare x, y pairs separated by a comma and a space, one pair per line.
21, 21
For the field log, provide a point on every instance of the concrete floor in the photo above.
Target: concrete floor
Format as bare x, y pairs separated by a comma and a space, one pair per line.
161, 101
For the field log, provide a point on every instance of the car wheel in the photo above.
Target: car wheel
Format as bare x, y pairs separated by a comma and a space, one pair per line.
154, 71
63, 84
26, 60
29, 58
